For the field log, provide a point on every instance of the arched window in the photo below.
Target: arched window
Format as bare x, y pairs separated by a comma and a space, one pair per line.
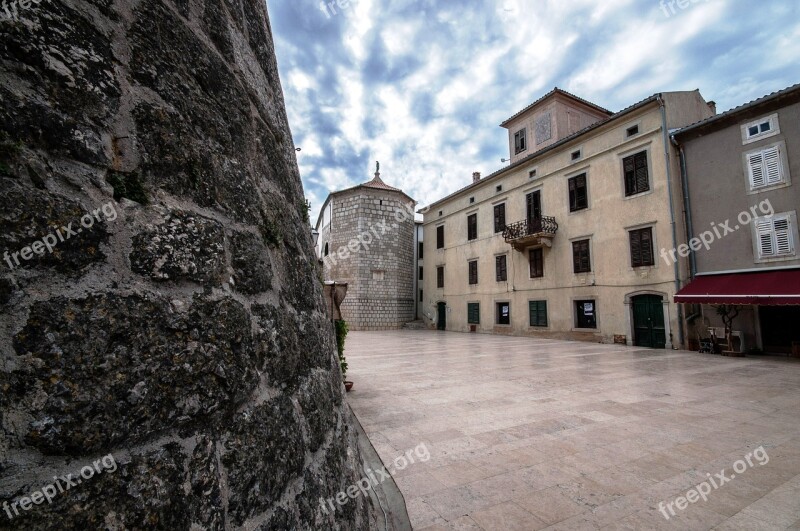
325, 252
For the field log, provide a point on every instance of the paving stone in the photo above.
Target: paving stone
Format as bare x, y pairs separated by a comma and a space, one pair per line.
523, 424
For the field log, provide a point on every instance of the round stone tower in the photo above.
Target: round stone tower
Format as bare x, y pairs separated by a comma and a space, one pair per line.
367, 240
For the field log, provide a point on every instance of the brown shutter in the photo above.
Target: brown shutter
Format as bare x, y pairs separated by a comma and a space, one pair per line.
642, 182
636, 245
647, 247
630, 175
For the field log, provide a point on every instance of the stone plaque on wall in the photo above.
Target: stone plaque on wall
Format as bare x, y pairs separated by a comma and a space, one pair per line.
543, 128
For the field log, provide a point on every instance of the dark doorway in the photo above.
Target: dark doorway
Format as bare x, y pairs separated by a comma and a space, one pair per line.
441, 314
648, 322
779, 327
503, 313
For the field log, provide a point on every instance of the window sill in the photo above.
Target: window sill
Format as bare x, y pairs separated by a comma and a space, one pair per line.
637, 195
573, 212
585, 329
762, 189
781, 258
761, 136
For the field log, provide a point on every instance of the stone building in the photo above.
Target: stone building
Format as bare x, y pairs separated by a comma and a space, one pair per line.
741, 176
564, 242
175, 329
367, 239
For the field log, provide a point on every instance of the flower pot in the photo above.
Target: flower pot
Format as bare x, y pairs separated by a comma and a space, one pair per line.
348, 386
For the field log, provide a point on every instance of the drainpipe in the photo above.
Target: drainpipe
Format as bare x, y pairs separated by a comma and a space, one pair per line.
665, 132
687, 205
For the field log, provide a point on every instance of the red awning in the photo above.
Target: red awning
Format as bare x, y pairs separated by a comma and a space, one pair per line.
767, 289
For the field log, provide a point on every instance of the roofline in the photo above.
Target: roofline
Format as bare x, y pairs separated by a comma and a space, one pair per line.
736, 111
356, 187
551, 147
553, 92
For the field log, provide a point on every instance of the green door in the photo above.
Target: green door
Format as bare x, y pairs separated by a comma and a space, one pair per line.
648, 322
441, 312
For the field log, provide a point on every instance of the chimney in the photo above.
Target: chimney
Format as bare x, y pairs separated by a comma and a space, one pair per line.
713, 106
476, 176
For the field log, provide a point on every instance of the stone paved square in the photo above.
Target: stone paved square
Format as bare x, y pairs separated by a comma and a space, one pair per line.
542, 434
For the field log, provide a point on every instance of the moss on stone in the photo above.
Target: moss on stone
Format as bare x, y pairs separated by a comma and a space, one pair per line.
127, 185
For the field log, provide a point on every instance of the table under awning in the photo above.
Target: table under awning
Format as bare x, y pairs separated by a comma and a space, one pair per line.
768, 288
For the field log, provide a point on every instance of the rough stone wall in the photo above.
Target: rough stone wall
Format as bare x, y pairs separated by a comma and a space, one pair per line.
373, 303
180, 328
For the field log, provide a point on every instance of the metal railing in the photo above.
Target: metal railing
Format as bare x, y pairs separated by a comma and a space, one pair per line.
521, 229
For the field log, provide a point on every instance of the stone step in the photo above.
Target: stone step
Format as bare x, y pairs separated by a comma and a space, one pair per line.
415, 325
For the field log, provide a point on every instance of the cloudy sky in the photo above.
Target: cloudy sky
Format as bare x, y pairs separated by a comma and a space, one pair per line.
421, 85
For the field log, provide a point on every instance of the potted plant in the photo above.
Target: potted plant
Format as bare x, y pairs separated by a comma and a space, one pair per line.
728, 313
341, 334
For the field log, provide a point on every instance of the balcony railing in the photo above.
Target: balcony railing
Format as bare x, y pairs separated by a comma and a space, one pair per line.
530, 232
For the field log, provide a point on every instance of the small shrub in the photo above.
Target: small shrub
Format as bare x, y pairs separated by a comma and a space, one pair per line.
341, 334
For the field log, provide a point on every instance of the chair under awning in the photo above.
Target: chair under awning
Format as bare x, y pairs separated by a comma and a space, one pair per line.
768, 288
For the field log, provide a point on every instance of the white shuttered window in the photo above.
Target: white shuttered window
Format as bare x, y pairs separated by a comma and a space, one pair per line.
765, 167
774, 236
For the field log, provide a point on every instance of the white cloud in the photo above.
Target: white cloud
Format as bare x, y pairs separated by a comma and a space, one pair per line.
479, 64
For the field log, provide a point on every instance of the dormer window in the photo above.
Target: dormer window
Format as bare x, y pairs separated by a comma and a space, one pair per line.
520, 141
